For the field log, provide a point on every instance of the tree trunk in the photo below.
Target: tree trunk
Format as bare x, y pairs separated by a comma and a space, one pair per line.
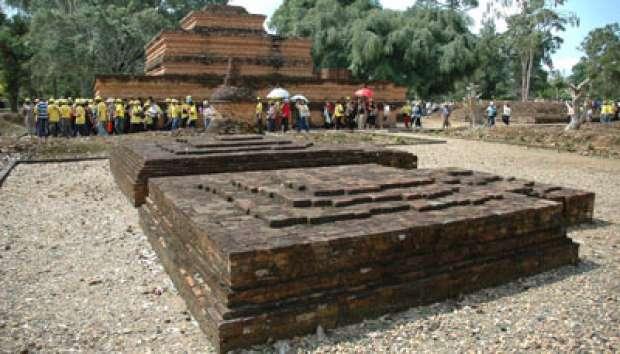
523, 76
575, 121
530, 64
577, 92
14, 101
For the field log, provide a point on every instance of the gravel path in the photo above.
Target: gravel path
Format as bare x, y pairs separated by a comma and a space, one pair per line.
76, 272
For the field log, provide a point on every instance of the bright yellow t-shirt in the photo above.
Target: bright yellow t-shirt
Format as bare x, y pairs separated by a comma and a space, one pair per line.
119, 111
193, 113
80, 115
339, 110
102, 112
65, 111
53, 112
135, 115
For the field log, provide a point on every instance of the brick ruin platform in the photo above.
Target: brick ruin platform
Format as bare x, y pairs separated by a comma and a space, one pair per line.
264, 255
133, 163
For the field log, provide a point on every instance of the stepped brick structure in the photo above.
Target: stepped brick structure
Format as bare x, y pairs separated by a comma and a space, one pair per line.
133, 163
208, 38
226, 40
265, 255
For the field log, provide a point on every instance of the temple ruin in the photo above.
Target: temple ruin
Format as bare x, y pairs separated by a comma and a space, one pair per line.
264, 255
220, 41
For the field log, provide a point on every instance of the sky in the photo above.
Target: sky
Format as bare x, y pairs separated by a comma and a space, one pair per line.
592, 14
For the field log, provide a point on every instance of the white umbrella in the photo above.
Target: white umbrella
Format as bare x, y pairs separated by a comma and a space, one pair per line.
278, 93
299, 97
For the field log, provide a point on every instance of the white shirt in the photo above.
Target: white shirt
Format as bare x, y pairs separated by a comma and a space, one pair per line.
507, 111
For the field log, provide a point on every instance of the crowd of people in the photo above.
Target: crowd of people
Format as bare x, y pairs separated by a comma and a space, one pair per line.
69, 117
83, 117
347, 113
607, 110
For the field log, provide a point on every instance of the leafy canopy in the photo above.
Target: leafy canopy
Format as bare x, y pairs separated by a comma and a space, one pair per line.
426, 48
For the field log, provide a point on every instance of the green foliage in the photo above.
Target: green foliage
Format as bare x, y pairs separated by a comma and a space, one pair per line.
532, 37
493, 72
73, 40
428, 47
14, 52
602, 61
327, 22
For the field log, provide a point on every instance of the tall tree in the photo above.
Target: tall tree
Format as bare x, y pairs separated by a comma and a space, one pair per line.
327, 22
533, 36
493, 70
14, 54
428, 47
602, 60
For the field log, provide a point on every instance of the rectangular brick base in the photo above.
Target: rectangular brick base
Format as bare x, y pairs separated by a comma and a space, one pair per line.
133, 163
272, 254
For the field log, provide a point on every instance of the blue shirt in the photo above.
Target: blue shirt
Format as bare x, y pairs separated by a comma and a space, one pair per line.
491, 111
42, 110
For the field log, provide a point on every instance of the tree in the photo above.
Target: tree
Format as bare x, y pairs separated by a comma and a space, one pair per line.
14, 53
327, 22
73, 40
532, 36
602, 60
427, 48
574, 109
493, 72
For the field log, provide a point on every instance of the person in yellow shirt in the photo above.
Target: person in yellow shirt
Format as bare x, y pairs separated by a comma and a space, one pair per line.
192, 113
65, 118
185, 107
53, 114
339, 115
176, 113
101, 112
259, 115
607, 111
119, 116
80, 118
136, 115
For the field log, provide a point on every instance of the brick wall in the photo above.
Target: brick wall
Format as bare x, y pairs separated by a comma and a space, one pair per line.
161, 87
206, 19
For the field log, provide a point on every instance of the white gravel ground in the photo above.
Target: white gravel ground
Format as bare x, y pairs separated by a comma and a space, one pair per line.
76, 272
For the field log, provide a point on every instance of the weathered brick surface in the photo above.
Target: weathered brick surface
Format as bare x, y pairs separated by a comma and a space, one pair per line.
271, 254
134, 162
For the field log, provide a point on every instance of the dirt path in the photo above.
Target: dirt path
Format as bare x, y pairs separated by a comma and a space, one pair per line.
76, 272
